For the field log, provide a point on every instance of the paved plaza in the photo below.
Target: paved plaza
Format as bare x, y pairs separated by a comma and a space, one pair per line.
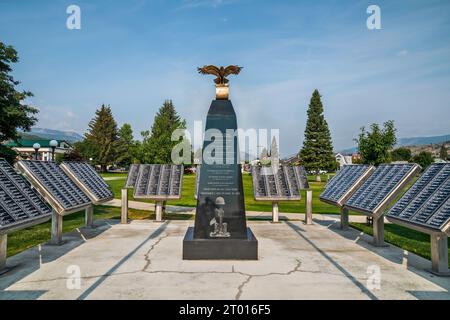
142, 260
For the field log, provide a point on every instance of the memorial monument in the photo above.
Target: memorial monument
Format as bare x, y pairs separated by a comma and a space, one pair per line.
220, 230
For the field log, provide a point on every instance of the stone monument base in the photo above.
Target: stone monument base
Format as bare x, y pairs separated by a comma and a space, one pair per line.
220, 248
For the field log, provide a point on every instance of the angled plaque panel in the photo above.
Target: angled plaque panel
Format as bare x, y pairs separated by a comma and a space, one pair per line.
440, 220
132, 176
344, 183
20, 205
296, 177
426, 204
55, 186
284, 184
159, 181
85, 176
385, 183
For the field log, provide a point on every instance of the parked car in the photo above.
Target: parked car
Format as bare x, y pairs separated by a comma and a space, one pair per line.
190, 170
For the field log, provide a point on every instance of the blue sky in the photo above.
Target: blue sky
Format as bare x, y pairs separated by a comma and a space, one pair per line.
134, 54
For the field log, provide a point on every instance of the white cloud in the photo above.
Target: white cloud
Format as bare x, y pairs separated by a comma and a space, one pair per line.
70, 114
60, 118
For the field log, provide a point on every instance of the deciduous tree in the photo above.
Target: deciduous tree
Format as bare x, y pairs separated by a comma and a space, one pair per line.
424, 159
374, 146
401, 154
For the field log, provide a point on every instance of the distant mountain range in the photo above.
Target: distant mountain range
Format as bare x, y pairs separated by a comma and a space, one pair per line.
415, 141
423, 140
42, 133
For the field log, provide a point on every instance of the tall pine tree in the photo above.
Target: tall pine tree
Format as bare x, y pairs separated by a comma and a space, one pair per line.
157, 145
317, 151
264, 157
102, 136
125, 146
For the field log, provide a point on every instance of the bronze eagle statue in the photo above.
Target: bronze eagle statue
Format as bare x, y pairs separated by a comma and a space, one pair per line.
221, 72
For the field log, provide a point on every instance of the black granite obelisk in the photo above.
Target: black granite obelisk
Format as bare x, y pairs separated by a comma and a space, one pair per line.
220, 230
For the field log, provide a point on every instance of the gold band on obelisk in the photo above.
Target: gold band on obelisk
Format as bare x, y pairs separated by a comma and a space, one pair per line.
222, 91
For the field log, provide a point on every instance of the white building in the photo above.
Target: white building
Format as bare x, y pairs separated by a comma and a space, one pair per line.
343, 159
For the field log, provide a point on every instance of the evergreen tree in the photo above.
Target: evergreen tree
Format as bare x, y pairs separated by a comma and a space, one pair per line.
264, 154
264, 157
443, 153
317, 151
102, 137
125, 147
374, 146
82, 151
14, 114
157, 143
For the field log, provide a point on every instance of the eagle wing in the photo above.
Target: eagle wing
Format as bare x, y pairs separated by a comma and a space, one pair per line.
209, 70
232, 70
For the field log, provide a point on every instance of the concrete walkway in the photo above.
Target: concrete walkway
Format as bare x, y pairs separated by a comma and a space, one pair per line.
250, 214
143, 260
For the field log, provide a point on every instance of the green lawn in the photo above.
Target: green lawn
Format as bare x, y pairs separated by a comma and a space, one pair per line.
113, 175
410, 240
30, 237
187, 198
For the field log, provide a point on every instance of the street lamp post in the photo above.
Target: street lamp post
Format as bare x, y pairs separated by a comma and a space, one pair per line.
53, 145
36, 148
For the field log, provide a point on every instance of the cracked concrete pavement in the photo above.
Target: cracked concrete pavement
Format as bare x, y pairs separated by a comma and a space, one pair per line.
143, 260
